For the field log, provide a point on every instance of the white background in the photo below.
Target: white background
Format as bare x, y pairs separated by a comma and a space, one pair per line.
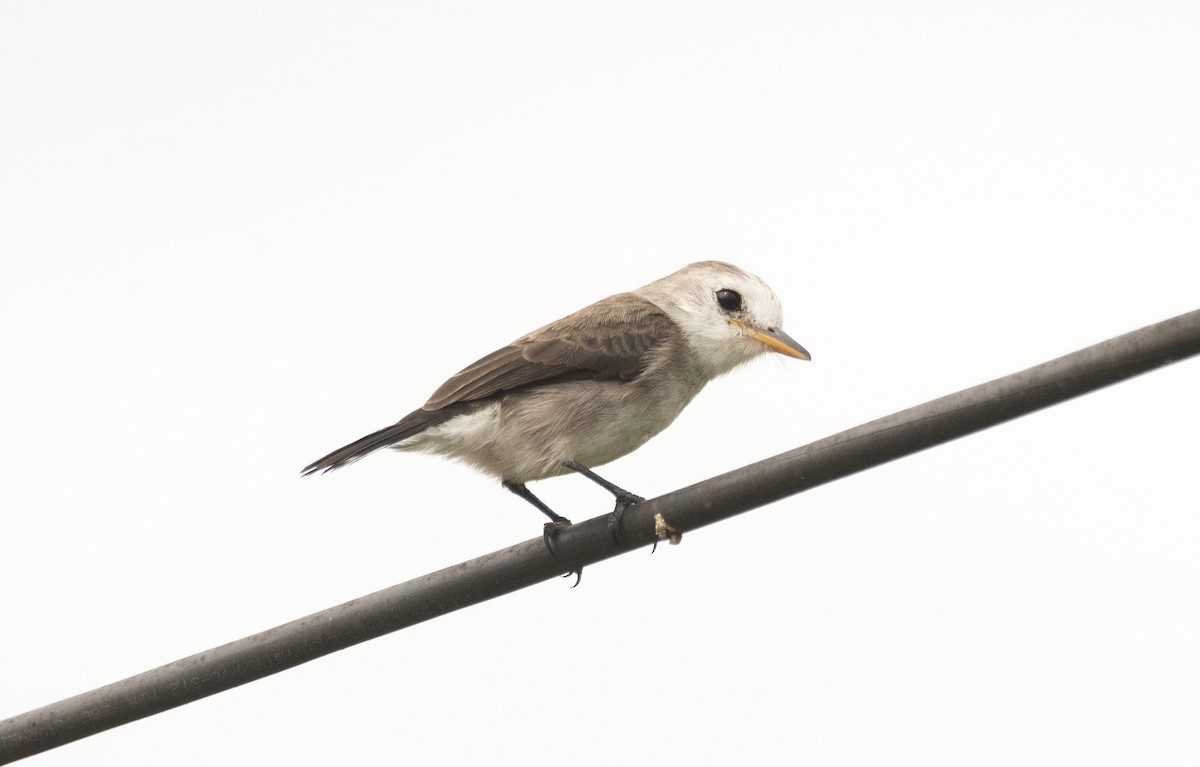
236, 235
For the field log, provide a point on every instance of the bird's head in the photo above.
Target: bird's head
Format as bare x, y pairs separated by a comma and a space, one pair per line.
728, 316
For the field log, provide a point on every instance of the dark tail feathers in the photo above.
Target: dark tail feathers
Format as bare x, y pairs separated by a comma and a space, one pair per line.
413, 423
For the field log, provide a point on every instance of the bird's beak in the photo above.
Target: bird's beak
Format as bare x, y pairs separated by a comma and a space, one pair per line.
774, 339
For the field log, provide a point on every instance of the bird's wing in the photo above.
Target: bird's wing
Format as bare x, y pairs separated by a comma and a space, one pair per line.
609, 339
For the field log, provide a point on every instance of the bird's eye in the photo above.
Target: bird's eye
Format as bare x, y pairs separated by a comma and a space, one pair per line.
730, 300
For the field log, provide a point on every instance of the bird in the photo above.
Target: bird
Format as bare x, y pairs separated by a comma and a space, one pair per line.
593, 386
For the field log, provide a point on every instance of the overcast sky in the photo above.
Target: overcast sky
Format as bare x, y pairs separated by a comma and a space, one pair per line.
237, 235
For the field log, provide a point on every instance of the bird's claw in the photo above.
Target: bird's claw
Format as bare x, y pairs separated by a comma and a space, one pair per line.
550, 532
628, 499
624, 501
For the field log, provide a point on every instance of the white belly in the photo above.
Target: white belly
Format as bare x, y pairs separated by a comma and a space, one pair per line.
529, 435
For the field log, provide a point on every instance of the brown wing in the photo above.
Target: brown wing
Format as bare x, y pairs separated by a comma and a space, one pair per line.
609, 339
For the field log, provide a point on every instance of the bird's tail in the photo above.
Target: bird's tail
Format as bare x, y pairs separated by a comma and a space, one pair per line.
414, 422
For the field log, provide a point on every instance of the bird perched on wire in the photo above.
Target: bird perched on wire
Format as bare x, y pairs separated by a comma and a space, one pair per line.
592, 386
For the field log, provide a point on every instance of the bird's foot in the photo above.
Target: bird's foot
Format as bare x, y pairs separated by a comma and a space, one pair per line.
550, 532
624, 500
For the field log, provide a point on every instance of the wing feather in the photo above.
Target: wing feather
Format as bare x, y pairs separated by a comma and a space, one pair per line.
609, 339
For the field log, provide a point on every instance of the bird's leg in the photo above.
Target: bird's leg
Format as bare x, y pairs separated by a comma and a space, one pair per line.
557, 521
623, 496
517, 488
625, 499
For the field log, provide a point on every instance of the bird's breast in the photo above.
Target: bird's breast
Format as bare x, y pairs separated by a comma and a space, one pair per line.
529, 435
